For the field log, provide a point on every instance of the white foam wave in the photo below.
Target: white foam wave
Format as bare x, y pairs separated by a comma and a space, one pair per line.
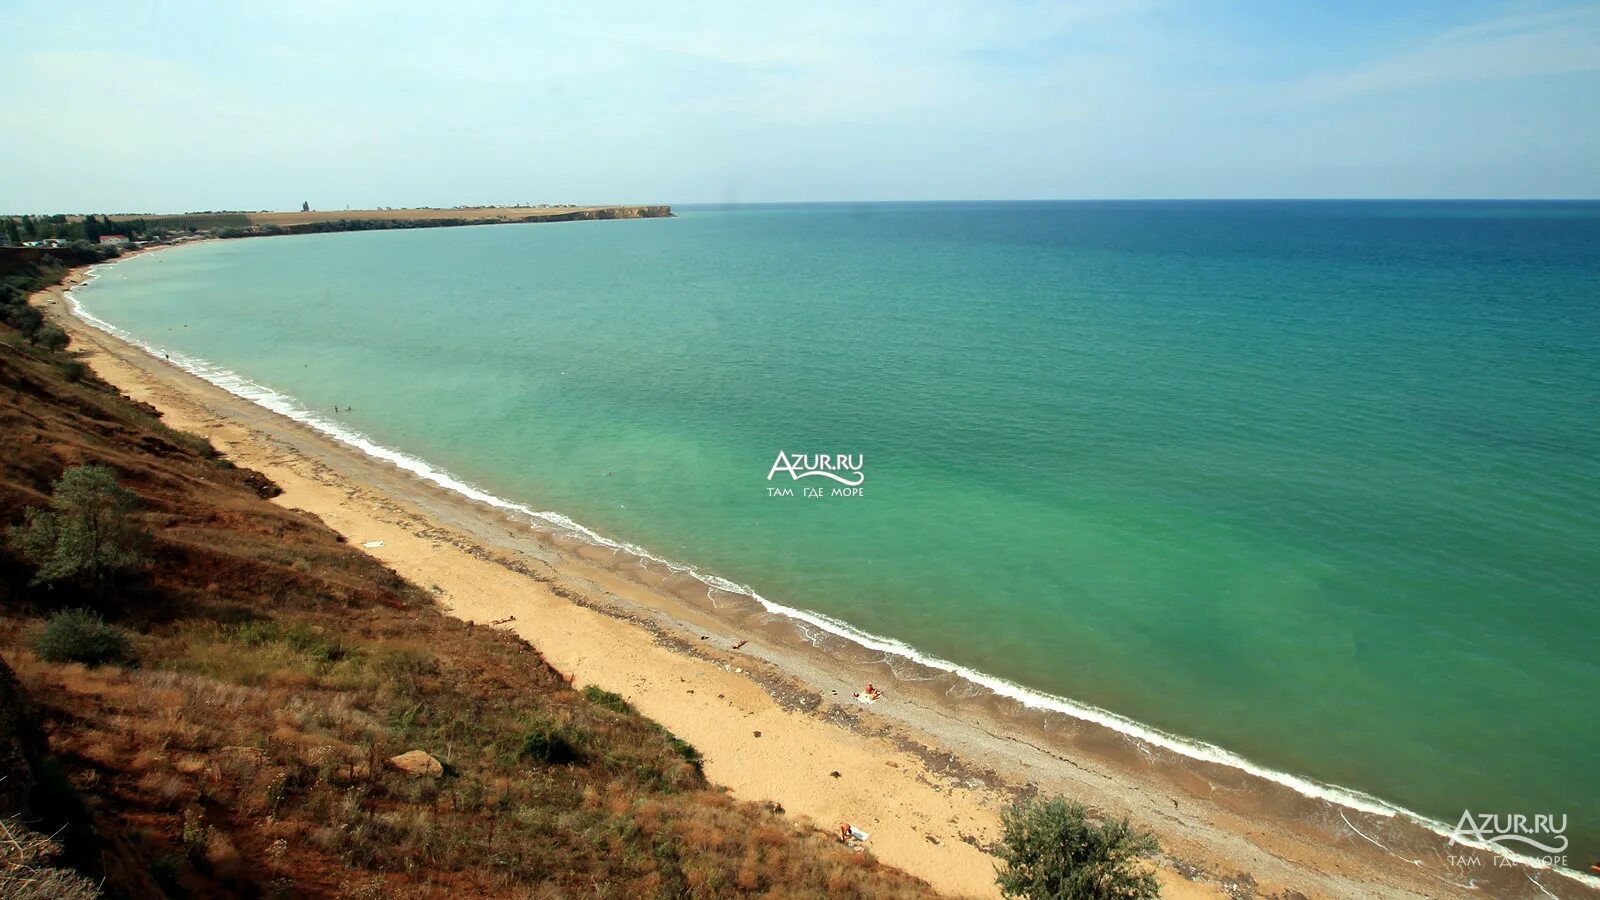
286, 405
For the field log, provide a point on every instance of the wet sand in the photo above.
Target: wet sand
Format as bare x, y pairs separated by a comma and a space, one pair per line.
925, 771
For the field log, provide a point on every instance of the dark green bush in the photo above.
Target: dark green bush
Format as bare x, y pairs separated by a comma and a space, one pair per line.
548, 742
51, 338
72, 370
1051, 851
686, 750
80, 636
25, 319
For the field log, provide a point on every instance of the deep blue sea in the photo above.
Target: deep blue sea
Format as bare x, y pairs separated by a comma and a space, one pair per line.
1315, 482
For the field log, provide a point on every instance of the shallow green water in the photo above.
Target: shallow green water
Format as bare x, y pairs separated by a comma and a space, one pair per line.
1318, 483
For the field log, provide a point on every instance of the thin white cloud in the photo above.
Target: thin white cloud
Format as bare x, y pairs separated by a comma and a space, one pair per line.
1556, 42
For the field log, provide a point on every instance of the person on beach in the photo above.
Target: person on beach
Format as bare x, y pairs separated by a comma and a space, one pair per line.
850, 834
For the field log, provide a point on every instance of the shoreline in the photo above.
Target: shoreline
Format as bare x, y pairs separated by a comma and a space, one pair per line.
289, 407
956, 743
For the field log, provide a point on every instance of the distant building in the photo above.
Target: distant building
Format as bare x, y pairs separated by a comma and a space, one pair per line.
116, 240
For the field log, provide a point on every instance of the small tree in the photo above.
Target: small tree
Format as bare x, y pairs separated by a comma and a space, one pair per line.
1052, 851
88, 533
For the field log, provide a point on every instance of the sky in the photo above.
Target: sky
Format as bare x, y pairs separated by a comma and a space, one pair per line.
177, 106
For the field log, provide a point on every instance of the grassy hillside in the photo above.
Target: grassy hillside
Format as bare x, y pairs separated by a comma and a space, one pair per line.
242, 745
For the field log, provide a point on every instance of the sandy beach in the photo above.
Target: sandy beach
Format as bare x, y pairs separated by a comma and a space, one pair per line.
925, 771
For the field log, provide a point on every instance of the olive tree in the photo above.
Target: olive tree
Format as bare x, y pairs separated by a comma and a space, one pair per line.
1052, 851
88, 533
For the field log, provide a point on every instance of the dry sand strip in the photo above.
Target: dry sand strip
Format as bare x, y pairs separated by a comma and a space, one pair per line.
772, 726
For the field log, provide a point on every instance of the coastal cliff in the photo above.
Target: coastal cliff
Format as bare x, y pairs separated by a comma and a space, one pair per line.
607, 212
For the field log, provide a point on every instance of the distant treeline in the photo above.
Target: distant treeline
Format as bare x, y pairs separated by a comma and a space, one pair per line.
16, 230
189, 223
21, 229
23, 271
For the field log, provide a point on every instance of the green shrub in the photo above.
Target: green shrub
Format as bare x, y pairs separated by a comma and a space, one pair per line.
614, 702
300, 637
548, 742
88, 533
686, 750
25, 319
80, 636
51, 338
1052, 851
72, 370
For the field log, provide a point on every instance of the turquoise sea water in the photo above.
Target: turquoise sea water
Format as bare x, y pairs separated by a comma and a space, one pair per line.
1318, 483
